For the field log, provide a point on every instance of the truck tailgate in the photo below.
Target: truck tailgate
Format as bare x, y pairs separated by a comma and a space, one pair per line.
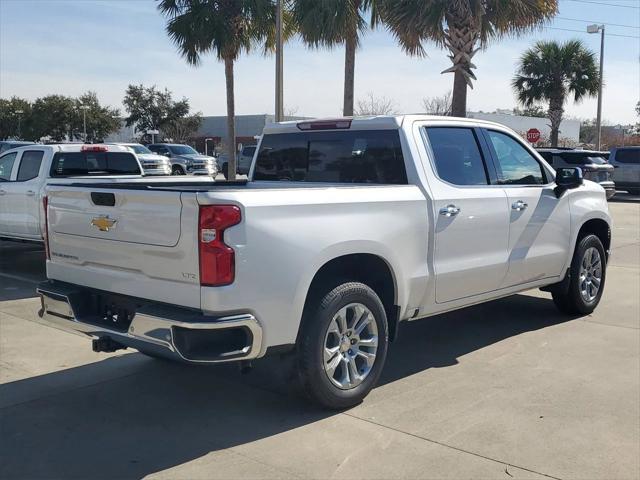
138, 243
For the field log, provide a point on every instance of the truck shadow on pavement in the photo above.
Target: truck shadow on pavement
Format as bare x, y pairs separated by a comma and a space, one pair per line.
129, 416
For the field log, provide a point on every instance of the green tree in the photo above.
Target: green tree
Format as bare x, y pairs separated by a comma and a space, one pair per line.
329, 23
463, 27
13, 124
52, 117
182, 129
226, 28
101, 120
549, 72
149, 108
532, 111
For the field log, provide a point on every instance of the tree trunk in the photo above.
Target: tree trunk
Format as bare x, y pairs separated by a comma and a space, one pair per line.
231, 120
556, 111
349, 72
459, 96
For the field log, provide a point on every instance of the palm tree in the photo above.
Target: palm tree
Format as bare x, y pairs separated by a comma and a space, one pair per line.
462, 26
549, 72
327, 23
223, 27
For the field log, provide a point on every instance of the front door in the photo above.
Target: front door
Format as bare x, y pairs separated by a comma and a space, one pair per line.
8, 219
539, 223
471, 216
27, 190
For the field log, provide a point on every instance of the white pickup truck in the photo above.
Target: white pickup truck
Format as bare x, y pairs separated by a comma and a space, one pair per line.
25, 171
346, 229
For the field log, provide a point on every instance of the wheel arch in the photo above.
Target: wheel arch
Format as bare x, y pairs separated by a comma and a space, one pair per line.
598, 227
368, 268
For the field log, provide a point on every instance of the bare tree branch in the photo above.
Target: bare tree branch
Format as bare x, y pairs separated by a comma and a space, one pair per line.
373, 105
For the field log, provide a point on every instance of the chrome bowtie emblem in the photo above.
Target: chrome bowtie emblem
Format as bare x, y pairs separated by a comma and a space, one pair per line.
103, 223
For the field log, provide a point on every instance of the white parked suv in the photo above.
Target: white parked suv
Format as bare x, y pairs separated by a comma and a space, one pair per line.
346, 229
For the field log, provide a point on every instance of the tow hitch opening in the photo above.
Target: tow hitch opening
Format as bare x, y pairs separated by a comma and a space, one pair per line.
106, 344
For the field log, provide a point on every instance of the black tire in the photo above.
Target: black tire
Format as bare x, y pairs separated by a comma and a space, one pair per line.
225, 170
633, 191
177, 170
311, 345
571, 301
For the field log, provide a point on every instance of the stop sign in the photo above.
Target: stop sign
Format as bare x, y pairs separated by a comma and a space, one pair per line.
533, 135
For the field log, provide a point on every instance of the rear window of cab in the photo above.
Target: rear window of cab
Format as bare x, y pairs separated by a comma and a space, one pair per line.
66, 164
353, 156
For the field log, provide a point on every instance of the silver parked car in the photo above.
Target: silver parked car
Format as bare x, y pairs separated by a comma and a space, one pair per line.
593, 164
626, 161
185, 160
152, 163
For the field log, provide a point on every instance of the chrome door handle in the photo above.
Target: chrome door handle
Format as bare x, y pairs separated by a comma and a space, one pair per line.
519, 205
31, 193
450, 211
2, 192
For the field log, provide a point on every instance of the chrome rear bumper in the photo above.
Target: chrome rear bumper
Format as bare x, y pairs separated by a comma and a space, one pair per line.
172, 332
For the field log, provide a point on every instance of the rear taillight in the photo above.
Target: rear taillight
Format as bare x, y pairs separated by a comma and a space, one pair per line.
45, 230
217, 259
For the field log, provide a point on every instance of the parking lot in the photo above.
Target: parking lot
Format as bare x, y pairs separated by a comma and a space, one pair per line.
508, 389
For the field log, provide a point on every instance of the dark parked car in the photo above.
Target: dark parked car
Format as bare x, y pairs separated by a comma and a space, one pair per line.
626, 161
9, 144
593, 164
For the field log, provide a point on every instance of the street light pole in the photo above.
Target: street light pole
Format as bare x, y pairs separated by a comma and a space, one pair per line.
84, 109
19, 114
595, 29
279, 72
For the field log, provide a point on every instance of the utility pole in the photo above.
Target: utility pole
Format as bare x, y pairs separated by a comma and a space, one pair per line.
19, 114
279, 90
595, 29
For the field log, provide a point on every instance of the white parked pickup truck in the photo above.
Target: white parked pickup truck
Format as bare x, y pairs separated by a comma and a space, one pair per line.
25, 171
345, 229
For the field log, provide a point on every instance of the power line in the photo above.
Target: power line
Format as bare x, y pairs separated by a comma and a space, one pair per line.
599, 23
606, 4
582, 31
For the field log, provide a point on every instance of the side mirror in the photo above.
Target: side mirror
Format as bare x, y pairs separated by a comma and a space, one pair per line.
566, 179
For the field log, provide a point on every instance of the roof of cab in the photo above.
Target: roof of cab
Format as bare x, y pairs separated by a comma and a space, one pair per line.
377, 122
73, 147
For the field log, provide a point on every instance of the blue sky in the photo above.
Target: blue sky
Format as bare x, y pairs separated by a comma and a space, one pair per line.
71, 46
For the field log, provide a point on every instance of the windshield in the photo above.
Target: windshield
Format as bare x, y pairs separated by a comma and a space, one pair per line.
140, 149
182, 150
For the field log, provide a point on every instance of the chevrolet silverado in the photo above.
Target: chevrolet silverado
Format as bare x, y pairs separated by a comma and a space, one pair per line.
345, 229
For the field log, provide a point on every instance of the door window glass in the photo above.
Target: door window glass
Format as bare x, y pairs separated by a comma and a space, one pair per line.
29, 165
515, 165
629, 155
6, 165
457, 156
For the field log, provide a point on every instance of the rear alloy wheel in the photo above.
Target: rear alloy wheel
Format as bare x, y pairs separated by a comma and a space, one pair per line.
587, 276
343, 345
177, 170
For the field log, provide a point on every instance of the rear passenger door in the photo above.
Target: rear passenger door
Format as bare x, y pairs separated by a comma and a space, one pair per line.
471, 215
539, 223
